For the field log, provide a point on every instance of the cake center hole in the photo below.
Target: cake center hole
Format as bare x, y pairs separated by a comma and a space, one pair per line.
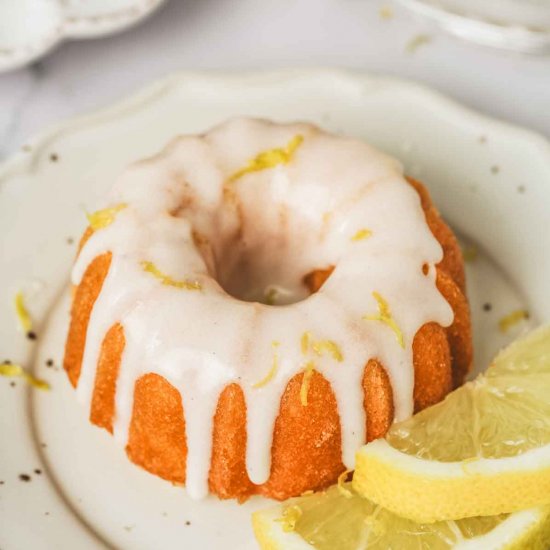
261, 246
269, 265
258, 273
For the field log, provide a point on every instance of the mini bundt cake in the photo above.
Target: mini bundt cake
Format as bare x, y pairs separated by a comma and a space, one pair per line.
257, 302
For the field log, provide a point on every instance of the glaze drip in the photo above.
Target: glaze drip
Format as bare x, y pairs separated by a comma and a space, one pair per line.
228, 252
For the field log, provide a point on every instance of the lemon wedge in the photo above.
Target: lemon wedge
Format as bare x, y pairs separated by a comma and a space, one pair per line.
483, 451
333, 521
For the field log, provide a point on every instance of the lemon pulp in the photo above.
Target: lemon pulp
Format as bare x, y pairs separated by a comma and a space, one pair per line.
332, 520
503, 413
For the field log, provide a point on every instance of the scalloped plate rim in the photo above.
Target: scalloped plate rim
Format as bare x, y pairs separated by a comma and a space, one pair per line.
464, 115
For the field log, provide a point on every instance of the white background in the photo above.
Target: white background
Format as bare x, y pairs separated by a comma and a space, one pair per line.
266, 34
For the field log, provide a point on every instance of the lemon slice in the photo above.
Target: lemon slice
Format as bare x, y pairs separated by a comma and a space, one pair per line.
334, 521
483, 451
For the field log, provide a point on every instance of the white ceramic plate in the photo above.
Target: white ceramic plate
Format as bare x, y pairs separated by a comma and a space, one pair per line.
31, 28
491, 180
520, 25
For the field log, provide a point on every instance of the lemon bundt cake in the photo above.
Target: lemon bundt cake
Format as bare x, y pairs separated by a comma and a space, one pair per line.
257, 302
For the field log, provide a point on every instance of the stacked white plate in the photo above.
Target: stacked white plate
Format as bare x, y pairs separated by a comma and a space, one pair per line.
521, 25
31, 28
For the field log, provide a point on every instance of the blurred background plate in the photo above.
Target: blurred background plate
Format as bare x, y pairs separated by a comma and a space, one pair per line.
519, 25
31, 28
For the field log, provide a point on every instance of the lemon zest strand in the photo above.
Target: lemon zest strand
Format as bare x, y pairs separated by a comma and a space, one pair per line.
319, 347
361, 235
385, 12
304, 388
272, 371
17, 371
470, 254
384, 316
419, 40
513, 318
104, 218
150, 267
344, 491
290, 517
329, 346
23, 313
271, 296
270, 158
305, 342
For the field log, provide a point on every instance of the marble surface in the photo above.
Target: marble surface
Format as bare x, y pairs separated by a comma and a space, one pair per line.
267, 34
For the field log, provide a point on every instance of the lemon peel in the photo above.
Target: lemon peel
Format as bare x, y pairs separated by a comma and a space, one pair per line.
470, 253
305, 342
320, 347
419, 40
384, 316
271, 296
344, 491
12, 370
361, 235
270, 158
272, 371
329, 346
151, 268
513, 318
309, 369
291, 515
100, 219
385, 12
22, 312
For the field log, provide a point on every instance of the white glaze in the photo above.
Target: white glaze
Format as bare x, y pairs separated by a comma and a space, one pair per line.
294, 218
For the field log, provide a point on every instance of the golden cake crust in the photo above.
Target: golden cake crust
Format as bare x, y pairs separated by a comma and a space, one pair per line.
306, 448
